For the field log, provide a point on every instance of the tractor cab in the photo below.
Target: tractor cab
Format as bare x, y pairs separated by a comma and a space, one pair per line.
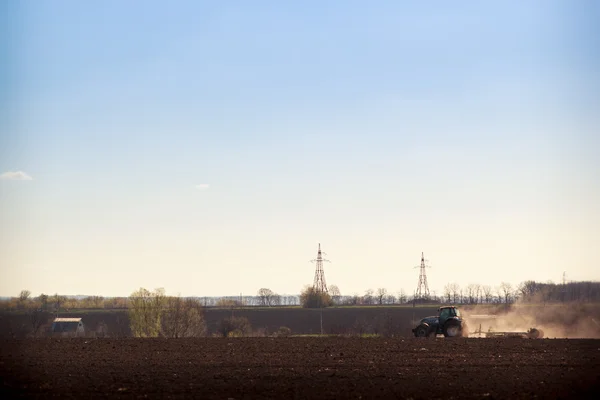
446, 313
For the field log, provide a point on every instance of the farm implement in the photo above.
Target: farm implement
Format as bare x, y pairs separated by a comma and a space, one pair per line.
531, 333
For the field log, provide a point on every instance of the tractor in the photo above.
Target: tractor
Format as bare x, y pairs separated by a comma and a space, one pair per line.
448, 323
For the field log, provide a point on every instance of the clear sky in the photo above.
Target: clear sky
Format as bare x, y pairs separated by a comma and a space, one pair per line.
207, 147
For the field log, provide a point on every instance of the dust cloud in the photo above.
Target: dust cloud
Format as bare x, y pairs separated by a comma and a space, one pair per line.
564, 320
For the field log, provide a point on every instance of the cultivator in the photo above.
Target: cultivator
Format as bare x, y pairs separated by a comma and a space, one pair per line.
532, 333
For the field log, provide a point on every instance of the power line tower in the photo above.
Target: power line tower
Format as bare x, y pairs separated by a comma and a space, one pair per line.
319, 284
422, 288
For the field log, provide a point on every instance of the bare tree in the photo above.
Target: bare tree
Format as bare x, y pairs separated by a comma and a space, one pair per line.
506, 291
24, 296
401, 296
368, 297
472, 293
266, 296
381, 292
234, 326
182, 318
43, 299
487, 292
390, 299
448, 292
37, 319
528, 290
478, 292
335, 293
58, 301
455, 290
354, 299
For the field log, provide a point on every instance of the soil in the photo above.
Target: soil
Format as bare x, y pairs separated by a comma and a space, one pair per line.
300, 367
557, 321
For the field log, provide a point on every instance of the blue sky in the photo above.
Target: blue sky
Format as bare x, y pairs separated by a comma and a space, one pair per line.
469, 132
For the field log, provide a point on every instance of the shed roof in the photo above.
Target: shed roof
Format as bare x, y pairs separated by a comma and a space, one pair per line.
67, 319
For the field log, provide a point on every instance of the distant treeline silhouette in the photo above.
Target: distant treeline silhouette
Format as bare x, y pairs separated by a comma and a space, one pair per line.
527, 292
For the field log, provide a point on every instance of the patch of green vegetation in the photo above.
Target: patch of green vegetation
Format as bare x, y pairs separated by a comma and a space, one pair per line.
316, 335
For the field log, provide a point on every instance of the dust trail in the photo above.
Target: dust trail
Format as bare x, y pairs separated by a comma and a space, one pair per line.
562, 320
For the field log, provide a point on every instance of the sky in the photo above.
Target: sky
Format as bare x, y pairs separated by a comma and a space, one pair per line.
208, 147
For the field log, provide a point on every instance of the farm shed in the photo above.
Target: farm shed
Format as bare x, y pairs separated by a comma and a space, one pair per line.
68, 327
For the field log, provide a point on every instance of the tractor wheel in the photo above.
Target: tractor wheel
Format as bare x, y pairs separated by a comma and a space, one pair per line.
535, 333
452, 329
422, 331
541, 334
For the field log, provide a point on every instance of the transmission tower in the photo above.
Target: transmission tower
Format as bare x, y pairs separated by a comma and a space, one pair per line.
319, 284
422, 288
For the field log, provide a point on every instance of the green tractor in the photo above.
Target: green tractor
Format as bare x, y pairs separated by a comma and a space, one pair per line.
449, 323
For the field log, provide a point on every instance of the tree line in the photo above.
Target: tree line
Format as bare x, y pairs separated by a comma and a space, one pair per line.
505, 293
526, 292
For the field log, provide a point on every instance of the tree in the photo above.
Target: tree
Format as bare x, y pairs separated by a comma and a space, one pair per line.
506, 289
401, 296
268, 297
145, 311
455, 290
335, 293
234, 327
227, 302
353, 300
478, 293
381, 292
58, 301
528, 290
368, 297
487, 292
24, 296
390, 299
472, 293
182, 318
284, 331
448, 293
95, 301
43, 299
310, 298
37, 319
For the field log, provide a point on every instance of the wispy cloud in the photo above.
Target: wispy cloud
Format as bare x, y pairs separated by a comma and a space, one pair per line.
15, 176
202, 186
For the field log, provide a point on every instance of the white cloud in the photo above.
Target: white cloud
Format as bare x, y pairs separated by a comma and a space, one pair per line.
15, 176
202, 186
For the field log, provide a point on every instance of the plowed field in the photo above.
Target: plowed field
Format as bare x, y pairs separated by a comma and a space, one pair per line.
290, 368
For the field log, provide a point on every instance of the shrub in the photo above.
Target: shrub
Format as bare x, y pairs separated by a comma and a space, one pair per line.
310, 298
234, 327
283, 331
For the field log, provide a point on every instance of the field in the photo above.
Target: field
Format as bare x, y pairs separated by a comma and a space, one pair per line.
557, 321
299, 320
290, 368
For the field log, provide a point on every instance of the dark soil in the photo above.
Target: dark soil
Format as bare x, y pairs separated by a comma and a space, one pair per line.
290, 368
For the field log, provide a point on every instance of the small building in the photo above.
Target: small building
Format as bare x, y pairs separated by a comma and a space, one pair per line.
70, 327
